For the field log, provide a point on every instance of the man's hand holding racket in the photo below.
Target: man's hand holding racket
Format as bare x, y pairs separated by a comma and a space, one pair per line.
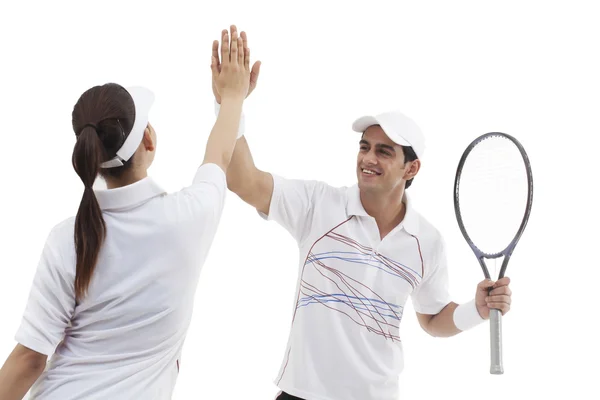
499, 297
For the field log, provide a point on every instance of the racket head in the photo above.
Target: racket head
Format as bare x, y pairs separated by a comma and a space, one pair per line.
493, 168
493, 191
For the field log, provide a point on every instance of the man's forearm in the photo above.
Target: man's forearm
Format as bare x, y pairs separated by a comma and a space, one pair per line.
453, 319
441, 324
242, 171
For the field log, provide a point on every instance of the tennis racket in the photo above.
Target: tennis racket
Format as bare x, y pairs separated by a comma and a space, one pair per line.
493, 194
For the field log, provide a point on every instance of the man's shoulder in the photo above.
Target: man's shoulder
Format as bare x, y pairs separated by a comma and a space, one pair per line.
320, 191
427, 230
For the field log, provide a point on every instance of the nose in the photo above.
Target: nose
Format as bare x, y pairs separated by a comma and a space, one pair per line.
370, 158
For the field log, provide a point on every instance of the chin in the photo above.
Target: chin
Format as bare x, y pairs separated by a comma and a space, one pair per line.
365, 185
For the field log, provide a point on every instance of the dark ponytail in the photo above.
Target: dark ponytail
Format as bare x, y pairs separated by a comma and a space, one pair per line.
102, 119
90, 228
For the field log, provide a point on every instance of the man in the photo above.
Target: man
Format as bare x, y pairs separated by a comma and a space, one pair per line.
364, 251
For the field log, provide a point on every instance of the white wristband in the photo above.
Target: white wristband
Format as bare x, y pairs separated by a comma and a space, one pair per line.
242, 122
466, 316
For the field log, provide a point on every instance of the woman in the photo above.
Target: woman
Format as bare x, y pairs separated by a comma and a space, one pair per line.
112, 297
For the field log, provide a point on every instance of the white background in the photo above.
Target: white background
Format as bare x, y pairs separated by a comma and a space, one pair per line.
459, 68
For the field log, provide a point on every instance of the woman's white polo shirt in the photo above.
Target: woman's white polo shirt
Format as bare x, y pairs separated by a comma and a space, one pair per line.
124, 339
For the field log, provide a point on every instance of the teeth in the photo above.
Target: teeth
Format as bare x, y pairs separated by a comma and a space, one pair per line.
368, 171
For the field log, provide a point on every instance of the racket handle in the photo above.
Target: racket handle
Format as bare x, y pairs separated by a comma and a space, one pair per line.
496, 367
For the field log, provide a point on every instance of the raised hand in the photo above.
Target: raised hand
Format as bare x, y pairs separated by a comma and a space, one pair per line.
232, 79
254, 72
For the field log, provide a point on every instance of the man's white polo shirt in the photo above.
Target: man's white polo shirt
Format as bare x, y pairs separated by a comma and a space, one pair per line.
352, 287
124, 339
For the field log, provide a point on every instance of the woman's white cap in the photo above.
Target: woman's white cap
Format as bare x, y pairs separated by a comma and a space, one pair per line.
142, 99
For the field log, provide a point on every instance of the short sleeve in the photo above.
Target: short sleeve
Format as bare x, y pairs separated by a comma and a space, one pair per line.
208, 191
293, 205
51, 301
432, 294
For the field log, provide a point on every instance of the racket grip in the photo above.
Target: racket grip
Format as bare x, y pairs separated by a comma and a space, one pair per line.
496, 367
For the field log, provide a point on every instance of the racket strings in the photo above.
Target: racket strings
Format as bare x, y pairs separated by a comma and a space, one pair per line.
495, 268
492, 193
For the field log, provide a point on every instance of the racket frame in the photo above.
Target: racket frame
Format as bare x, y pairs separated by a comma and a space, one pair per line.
496, 364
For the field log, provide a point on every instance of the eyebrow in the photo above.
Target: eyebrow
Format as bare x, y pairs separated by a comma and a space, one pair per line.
378, 145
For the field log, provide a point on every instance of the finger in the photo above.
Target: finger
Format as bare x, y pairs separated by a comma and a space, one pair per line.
246, 50
503, 307
247, 58
234, 36
234, 47
215, 50
503, 282
225, 48
245, 39
485, 284
502, 290
498, 299
214, 67
241, 52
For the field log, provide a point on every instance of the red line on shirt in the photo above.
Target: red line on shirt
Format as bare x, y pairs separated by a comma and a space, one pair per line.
299, 287
420, 255
286, 363
308, 254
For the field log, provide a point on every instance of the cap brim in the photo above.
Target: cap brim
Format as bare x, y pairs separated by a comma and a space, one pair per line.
142, 99
362, 123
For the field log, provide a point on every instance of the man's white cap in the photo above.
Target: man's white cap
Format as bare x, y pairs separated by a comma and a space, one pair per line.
397, 126
142, 100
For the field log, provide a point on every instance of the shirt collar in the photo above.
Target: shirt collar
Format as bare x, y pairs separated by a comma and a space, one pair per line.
128, 196
354, 207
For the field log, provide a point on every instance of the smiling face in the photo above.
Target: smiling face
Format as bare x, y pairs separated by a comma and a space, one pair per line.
380, 163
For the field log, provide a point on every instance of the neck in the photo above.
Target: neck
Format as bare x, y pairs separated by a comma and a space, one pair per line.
128, 178
387, 209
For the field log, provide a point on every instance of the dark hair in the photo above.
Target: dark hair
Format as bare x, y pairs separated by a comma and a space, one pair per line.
409, 155
102, 120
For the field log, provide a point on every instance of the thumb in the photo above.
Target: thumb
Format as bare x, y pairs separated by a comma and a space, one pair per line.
255, 72
485, 284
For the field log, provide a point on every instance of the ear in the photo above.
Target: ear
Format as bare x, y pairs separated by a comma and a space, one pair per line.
148, 142
412, 170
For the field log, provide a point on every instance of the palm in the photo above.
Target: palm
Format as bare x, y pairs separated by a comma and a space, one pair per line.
253, 73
